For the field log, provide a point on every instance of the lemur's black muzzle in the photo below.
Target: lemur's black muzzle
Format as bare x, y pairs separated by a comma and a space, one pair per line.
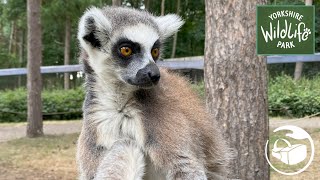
148, 76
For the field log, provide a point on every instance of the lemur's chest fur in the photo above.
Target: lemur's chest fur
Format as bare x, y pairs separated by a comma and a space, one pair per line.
117, 117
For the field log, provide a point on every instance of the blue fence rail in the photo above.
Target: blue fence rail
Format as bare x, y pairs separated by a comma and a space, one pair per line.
176, 63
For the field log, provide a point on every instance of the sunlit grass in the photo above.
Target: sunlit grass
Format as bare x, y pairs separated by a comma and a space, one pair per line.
53, 157
48, 157
311, 172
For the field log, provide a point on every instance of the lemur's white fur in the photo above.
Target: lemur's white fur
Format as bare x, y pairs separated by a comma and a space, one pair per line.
120, 133
147, 38
117, 110
101, 21
116, 117
103, 24
169, 24
121, 156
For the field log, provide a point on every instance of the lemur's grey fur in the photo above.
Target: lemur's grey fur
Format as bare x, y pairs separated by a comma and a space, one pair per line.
136, 126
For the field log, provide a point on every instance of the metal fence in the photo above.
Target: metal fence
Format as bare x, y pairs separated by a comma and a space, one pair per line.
176, 63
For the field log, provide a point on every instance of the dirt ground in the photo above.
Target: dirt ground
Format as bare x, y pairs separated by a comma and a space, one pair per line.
10, 131
46, 158
17, 130
305, 123
52, 157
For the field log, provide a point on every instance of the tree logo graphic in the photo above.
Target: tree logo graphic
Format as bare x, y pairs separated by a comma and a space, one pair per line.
285, 30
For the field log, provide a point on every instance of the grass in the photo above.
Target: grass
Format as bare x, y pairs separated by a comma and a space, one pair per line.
311, 172
53, 157
4, 124
48, 157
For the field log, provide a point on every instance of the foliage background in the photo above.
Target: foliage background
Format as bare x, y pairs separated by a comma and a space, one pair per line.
54, 13
286, 97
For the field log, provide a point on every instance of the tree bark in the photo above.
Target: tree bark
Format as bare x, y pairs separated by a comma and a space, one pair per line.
147, 4
175, 37
299, 65
162, 7
67, 42
21, 52
34, 84
116, 2
236, 84
12, 33
308, 2
14, 40
298, 70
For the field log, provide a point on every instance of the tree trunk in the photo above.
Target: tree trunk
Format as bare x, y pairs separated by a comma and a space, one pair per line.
308, 2
236, 84
14, 40
298, 70
21, 52
34, 84
147, 4
116, 2
299, 65
11, 40
162, 7
175, 37
67, 51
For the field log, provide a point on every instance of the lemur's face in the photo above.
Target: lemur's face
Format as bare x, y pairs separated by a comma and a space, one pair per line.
135, 51
124, 44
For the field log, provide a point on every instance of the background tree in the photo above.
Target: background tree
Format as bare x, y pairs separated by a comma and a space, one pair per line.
54, 13
299, 65
35, 126
147, 4
67, 41
174, 44
236, 84
162, 7
116, 2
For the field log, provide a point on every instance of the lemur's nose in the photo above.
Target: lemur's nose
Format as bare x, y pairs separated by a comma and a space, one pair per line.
149, 73
154, 76
153, 72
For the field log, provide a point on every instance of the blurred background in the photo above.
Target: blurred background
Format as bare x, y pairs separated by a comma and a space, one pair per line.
59, 20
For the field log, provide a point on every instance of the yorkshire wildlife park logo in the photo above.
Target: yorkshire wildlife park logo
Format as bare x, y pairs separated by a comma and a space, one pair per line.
285, 29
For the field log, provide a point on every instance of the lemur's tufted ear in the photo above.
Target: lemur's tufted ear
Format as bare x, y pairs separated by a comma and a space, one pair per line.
169, 24
94, 29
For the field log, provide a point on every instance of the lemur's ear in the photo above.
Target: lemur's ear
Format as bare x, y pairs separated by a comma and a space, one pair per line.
169, 24
94, 29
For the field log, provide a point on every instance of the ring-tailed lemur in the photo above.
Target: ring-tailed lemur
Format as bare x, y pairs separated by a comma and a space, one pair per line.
137, 125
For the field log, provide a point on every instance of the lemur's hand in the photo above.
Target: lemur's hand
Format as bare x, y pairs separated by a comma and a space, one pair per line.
123, 161
187, 173
197, 175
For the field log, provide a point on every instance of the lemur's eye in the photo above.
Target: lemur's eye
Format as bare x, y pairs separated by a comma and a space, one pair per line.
155, 53
126, 51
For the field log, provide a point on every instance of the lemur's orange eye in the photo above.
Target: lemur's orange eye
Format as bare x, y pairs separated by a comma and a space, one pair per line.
155, 53
126, 51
